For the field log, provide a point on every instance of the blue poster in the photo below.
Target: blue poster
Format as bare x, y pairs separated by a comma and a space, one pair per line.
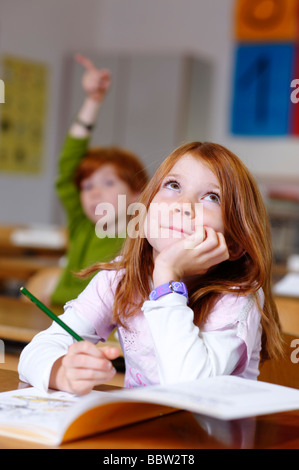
261, 96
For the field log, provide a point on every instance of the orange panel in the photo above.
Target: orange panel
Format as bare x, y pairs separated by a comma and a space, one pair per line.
267, 20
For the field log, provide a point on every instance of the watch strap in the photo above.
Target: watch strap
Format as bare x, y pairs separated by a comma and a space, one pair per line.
168, 288
88, 127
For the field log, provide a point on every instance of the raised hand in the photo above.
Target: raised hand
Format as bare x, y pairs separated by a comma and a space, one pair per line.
95, 82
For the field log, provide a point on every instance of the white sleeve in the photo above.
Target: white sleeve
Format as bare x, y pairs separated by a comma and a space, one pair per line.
38, 357
183, 351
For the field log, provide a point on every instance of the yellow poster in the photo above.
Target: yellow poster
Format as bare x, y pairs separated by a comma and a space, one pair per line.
23, 115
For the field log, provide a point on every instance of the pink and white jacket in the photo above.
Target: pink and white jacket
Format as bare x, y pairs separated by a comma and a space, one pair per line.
161, 344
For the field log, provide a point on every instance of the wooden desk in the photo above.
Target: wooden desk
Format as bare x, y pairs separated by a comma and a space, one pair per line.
9, 248
181, 430
21, 261
22, 268
20, 320
288, 309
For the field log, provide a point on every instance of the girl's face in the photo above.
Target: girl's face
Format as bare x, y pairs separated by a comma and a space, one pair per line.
103, 186
187, 200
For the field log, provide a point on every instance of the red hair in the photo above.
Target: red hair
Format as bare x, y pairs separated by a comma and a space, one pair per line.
246, 226
127, 166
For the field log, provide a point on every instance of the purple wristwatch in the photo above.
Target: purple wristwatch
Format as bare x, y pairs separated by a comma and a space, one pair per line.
172, 286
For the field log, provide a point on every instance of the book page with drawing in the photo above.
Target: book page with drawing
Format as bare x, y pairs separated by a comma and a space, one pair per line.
56, 417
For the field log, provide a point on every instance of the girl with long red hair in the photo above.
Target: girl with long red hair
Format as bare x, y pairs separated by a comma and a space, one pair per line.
190, 294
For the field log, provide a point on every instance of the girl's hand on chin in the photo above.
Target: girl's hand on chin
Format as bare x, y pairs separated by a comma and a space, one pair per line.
192, 255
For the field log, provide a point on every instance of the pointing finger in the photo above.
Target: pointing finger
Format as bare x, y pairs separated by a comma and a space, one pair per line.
87, 63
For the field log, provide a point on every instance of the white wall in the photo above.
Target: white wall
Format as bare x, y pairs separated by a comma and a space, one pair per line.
47, 31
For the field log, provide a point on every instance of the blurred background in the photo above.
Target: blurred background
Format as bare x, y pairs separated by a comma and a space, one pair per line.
218, 70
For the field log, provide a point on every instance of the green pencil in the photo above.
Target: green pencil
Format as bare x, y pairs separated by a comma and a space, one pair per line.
50, 314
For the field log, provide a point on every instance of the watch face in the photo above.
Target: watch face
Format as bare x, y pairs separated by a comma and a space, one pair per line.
177, 287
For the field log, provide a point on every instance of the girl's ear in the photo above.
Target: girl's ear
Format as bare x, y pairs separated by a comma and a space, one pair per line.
235, 252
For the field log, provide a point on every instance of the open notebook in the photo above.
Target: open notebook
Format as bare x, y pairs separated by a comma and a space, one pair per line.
56, 417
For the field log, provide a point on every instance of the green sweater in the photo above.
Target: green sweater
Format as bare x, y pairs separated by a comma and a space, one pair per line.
84, 247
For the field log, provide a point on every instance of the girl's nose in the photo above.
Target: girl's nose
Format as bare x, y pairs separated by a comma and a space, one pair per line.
185, 209
96, 191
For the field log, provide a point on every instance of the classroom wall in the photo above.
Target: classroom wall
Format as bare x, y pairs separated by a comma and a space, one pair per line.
49, 31
204, 28
43, 31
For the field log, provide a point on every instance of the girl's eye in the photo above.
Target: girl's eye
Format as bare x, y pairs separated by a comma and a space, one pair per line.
172, 185
86, 186
213, 197
109, 183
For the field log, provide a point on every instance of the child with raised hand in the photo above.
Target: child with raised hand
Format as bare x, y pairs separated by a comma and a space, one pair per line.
190, 294
88, 177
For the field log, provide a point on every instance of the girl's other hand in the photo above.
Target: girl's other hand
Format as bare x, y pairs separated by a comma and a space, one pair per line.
83, 367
